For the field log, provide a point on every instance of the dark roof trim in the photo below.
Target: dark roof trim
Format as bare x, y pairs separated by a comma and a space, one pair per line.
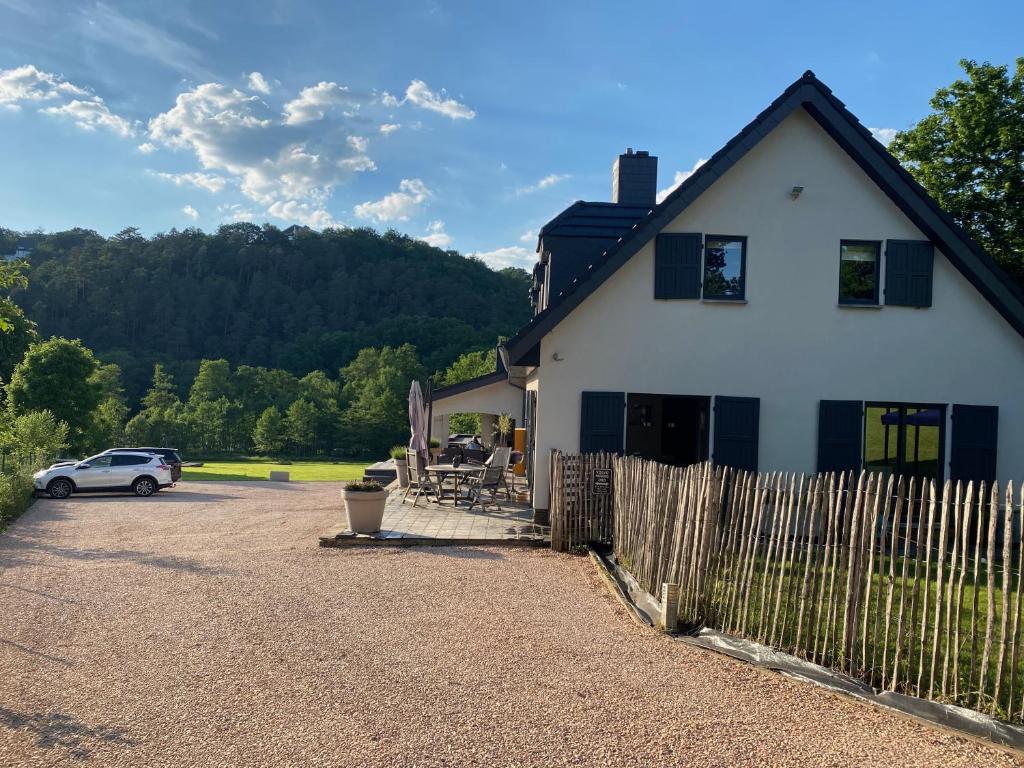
814, 96
471, 384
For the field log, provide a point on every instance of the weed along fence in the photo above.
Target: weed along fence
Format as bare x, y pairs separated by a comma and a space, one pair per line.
911, 587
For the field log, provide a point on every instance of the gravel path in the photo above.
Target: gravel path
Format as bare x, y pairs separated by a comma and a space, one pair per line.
203, 627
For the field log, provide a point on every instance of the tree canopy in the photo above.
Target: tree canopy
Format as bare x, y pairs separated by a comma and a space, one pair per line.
250, 295
58, 375
969, 155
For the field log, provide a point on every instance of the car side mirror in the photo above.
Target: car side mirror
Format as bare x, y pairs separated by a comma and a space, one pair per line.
82, 466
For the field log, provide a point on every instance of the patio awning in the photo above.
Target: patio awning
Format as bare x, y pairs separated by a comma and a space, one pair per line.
490, 393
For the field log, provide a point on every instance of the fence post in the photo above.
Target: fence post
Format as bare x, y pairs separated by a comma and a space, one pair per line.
670, 606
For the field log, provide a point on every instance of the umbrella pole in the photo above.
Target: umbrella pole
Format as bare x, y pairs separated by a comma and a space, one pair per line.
430, 410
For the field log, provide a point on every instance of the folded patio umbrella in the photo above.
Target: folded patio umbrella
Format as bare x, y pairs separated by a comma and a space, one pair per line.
417, 421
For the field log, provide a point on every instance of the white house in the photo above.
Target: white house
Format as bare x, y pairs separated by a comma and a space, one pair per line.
798, 303
21, 253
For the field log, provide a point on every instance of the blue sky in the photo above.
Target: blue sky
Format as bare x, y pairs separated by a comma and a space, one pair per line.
468, 124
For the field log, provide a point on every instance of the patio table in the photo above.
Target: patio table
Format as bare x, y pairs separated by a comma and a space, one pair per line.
460, 473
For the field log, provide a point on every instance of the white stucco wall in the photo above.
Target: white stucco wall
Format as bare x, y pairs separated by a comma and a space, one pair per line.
791, 345
500, 397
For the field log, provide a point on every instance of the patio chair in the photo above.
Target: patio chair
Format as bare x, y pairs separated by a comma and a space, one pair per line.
474, 456
489, 480
449, 453
500, 458
419, 481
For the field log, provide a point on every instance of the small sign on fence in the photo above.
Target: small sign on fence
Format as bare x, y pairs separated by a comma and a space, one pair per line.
601, 482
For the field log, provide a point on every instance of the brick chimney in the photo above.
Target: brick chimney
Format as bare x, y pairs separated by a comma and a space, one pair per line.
635, 179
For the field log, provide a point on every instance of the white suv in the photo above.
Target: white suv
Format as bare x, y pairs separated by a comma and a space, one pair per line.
142, 473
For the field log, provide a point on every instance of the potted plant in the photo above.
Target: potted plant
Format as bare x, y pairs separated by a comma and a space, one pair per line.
364, 506
435, 449
503, 427
398, 454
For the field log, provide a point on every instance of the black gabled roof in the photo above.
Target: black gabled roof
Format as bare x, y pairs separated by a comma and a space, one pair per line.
500, 374
583, 219
856, 140
466, 386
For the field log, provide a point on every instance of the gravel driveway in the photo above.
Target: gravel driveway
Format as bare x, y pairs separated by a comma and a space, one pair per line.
205, 627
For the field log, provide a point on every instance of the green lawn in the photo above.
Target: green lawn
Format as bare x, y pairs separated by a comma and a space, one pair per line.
259, 469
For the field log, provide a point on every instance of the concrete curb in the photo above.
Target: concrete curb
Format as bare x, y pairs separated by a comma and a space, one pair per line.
954, 720
346, 540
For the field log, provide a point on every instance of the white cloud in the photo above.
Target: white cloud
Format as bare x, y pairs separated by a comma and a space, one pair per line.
396, 206
389, 101
29, 85
314, 102
92, 114
419, 94
291, 168
301, 213
258, 83
511, 256
436, 236
191, 212
147, 147
139, 38
547, 182
359, 143
26, 83
529, 236
208, 181
236, 212
680, 177
389, 128
884, 135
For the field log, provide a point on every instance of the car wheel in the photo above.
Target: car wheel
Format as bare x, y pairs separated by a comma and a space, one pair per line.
144, 486
60, 488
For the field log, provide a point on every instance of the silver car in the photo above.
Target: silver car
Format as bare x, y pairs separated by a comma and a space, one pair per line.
141, 473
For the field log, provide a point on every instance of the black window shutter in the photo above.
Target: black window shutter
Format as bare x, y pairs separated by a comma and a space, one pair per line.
677, 266
602, 418
908, 273
840, 423
973, 448
736, 432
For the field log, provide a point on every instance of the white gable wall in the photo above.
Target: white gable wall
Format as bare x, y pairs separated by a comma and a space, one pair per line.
791, 345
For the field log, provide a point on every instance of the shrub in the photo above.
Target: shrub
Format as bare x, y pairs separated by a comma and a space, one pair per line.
398, 453
15, 496
435, 443
367, 486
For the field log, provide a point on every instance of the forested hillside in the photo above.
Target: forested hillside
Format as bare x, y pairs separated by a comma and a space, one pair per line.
252, 296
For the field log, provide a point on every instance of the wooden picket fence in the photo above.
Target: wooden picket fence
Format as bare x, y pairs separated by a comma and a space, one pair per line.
910, 587
579, 516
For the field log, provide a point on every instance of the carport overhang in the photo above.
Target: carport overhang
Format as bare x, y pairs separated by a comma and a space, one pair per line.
490, 394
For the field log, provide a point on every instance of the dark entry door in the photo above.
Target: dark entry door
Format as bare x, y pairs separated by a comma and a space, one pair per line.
602, 422
736, 432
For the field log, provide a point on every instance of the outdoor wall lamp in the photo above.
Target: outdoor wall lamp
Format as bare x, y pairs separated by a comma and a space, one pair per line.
557, 357
795, 192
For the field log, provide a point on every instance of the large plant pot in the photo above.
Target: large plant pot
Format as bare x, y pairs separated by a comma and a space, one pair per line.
364, 509
402, 469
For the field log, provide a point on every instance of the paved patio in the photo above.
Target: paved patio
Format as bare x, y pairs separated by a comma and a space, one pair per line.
431, 523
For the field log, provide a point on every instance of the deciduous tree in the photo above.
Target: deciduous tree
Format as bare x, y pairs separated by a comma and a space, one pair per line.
969, 155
